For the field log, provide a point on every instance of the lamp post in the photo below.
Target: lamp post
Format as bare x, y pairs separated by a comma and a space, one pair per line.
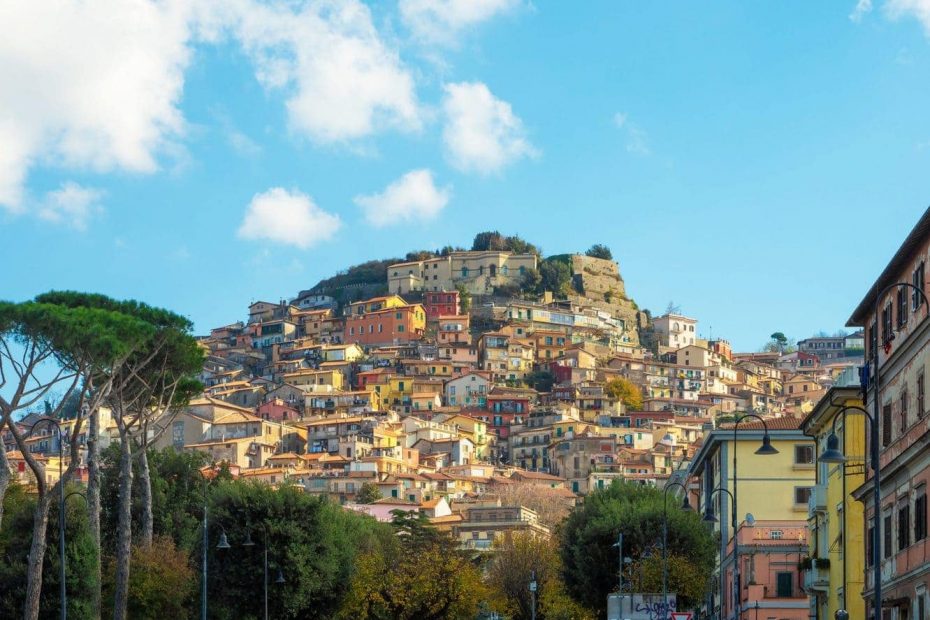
203, 562
710, 518
619, 546
533, 586
766, 449
685, 505
61, 510
832, 454
874, 435
249, 543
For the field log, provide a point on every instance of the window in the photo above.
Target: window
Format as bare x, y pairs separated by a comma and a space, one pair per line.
918, 282
804, 455
802, 495
886, 543
904, 526
873, 338
870, 547
785, 584
920, 516
887, 330
400, 328
902, 306
903, 408
886, 425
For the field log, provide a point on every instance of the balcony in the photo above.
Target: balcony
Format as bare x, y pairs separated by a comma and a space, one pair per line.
818, 499
816, 574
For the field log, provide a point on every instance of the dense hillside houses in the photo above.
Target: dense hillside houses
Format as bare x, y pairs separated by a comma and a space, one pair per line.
464, 376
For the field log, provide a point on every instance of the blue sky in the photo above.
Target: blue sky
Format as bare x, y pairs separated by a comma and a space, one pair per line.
757, 164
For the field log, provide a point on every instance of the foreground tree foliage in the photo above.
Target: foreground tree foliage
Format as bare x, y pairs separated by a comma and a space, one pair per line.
162, 582
80, 556
420, 574
510, 570
590, 559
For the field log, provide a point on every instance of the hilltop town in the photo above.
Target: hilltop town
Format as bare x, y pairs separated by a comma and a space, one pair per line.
457, 386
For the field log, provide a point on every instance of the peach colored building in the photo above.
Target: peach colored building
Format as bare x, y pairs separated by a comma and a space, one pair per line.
386, 326
771, 552
899, 336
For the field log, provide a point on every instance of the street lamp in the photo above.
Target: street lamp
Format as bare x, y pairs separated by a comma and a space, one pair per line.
533, 586
61, 509
249, 543
710, 518
832, 454
685, 505
766, 449
876, 412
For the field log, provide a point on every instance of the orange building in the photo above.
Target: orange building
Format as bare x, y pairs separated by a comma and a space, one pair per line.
395, 325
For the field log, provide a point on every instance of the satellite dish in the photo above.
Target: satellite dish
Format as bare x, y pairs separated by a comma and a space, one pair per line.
750, 520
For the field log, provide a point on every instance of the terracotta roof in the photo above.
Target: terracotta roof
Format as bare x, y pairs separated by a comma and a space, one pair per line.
787, 423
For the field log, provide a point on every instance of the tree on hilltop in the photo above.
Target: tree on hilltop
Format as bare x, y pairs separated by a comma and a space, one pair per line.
599, 250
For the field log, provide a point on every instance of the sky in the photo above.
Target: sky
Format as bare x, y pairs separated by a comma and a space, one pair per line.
757, 164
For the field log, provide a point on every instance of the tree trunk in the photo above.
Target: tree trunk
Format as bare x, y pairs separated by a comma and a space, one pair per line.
93, 502
5, 476
145, 482
124, 528
37, 557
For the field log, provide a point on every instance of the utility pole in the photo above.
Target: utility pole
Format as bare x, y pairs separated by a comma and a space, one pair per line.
533, 594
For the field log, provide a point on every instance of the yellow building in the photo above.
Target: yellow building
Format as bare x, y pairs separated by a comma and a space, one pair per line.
773, 487
835, 519
309, 377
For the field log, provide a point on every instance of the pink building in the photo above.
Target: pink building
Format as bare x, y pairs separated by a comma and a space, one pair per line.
770, 554
277, 411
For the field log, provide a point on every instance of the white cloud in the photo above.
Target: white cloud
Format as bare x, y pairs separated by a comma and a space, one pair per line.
412, 197
92, 85
72, 204
288, 217
481, 134
342, 81
919, 9
863, 8
637, 140
440, 21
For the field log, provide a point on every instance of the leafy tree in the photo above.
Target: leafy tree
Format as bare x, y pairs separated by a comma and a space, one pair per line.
424, 577
80, 555
47, 345
540, 380
531, 281
516, 559
369, 493
590, 560
779, 343
157, 376
554, 276
626, 391
313, 541
162, 581
464, 298
599, 251
488, 240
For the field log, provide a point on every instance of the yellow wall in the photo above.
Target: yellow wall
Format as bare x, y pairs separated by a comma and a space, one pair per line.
830, 522
767, 483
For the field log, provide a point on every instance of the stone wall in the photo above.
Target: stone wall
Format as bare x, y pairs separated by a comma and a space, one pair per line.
597, 282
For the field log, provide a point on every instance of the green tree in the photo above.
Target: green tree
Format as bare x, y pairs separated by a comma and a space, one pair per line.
464, 298
599, 251
80, 556
369, 493
626, 391
314, 542
488, 240
48, 345
162, 581
555, 276
421, 576
540, 380
588, 535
